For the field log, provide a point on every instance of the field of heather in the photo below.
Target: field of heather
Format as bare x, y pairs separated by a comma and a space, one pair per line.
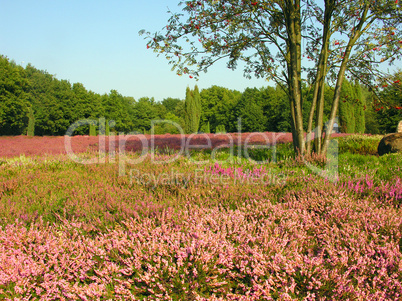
31, 146
199, 225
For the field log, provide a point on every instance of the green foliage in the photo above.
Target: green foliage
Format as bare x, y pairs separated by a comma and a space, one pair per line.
170, 125
351, 109
92, 130
276, 109
143, 114
220, 129
14, 102
360, 105
370, 115
250, 109
119, 109
197, 108
359, 144
56, 104
31, 123
205, 128
53, 102
389, 112
217, 108
171, 104
192, 108
107, 128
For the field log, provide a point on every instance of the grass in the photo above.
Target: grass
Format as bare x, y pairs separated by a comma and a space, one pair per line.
228, 229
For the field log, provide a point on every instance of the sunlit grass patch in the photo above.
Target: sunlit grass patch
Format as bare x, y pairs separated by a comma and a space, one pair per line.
359, 144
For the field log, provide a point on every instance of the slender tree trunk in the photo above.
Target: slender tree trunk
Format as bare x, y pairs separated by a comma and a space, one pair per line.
320, 116
318, 94
293, 21
319, 85
341, 75
311, 115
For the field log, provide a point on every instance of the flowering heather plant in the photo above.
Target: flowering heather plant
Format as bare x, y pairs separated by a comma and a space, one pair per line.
316, 246
381, 190
182, 231
15, 146
238, 172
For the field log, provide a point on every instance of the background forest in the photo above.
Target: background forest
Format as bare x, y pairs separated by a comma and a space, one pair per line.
34, 102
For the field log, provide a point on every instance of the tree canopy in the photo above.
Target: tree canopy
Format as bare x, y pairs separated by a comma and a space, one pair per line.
288, 42
34, 102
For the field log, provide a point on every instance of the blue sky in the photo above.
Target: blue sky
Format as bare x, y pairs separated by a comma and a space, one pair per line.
97, 43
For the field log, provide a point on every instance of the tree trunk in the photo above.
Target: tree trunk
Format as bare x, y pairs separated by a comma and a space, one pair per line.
293, 20
320, 116
341, 75
319, 84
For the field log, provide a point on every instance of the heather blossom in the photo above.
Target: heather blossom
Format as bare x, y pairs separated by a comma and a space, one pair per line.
82, 232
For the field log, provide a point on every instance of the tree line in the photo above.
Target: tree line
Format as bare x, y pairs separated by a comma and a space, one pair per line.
34, 102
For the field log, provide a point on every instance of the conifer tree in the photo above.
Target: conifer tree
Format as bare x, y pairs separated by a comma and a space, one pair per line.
197, 108
31, 123
92, 130
360, 103
206, 128
346, 111
351, 108
192, 109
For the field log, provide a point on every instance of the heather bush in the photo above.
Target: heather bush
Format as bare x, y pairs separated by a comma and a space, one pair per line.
223, 230
316, 245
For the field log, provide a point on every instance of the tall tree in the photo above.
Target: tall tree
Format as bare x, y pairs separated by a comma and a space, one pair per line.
197, 108
217, 107
192, 108
360, 106
31, 122
14, 104
250, 109
346, 109
143, 113
53, 102
120, 110
271, 36
276, 109
171, 103
351, 108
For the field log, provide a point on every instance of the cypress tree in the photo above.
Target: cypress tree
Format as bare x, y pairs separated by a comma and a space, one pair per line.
346, 108
92, 130
220, 129
351, 108
206, 128
187, 111
192, 109
197, 108
360, 102
107, 128
31, 123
